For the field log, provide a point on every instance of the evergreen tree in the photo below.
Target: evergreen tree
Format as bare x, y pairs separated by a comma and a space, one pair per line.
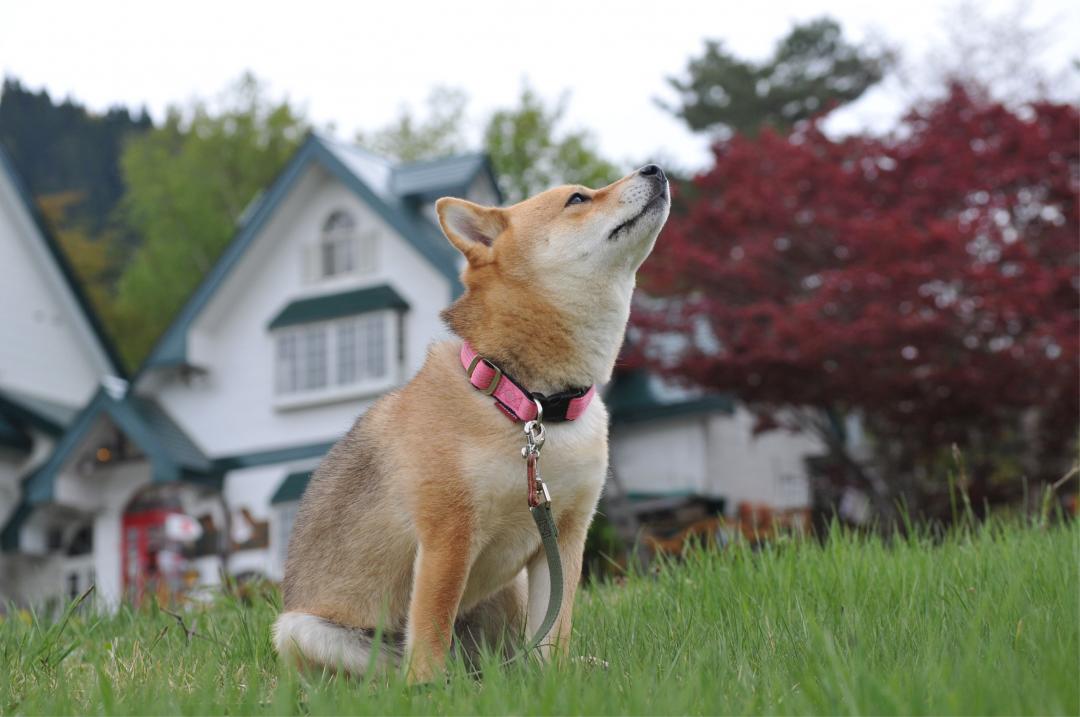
62, 148
811, 69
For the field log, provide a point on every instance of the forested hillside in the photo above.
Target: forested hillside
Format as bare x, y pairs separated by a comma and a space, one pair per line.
60, 147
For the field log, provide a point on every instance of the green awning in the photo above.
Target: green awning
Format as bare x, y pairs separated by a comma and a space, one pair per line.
291, 488
336, 306
631, 399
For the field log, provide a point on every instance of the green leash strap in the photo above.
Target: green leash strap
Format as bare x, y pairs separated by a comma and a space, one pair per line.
549, 536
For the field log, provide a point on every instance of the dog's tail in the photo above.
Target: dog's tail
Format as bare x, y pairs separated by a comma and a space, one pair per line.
307, 640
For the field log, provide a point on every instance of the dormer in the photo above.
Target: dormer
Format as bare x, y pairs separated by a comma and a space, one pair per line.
343, 247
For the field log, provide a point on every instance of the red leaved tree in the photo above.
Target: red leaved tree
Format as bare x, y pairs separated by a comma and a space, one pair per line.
925, 282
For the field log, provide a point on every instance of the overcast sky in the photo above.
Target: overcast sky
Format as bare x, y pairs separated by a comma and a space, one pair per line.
353, 64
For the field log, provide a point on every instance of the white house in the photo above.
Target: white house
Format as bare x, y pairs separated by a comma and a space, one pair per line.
53, 355
667, 443
327, 297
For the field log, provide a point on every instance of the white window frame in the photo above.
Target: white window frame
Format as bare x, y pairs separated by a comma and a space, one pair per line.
332, 391
361, 243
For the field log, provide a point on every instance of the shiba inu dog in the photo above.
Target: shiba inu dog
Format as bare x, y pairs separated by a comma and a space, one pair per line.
416, 523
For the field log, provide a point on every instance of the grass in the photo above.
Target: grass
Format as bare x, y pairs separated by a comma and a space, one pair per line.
985, 622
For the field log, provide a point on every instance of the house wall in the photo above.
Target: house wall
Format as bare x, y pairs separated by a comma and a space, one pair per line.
30, 579
661, 457
252, 488
714, 455
11, 463
47, 349
769, 468
230, 410
118, 486
99, 498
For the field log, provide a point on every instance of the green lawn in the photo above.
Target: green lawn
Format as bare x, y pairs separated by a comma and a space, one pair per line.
985, 623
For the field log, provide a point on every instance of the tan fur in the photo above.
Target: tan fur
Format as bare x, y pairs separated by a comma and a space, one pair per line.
417, 519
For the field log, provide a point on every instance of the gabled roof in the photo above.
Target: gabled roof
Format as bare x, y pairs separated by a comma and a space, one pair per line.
429, 180
368, 176
112, 356
182, 456
171, 452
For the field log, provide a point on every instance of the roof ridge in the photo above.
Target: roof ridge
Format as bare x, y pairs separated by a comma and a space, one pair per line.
327, 138
393, 164
476, 154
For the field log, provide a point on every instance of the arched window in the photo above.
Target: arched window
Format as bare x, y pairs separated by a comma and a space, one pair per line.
337, 245
344, 246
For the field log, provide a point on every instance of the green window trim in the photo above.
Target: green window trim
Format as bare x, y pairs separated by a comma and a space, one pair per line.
336, 306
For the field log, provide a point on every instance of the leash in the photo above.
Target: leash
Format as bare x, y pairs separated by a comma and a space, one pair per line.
540, 507
521, 405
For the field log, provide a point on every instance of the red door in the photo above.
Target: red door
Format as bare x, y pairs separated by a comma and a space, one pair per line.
143, 537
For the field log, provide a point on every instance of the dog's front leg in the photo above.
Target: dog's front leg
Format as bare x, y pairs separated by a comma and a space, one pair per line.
439, 577
572, 531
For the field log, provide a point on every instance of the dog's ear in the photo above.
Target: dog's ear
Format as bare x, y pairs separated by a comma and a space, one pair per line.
470, 227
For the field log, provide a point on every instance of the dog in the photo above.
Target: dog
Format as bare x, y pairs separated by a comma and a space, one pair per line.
415, 527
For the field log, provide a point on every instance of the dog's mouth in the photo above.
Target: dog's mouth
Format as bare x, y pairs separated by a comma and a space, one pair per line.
658, 200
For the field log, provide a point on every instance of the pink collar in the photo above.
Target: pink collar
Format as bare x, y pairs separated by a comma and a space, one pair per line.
514, 400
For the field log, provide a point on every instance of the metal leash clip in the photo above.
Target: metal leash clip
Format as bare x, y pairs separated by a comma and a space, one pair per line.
534, 441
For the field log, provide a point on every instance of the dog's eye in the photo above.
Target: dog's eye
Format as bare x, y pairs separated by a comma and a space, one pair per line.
576, 198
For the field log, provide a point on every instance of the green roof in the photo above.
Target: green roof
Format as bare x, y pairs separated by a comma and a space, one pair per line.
431, 179
291, 488
112, 356
173, 456
336, 306
168, 437
273, 456
631, 398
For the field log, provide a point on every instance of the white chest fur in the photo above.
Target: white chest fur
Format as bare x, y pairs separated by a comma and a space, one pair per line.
573, 464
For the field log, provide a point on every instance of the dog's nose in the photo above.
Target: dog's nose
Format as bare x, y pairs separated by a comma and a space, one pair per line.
652, 170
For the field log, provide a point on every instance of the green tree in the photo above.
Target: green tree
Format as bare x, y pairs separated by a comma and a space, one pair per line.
187, 184
811, 69
530, 152
94, 256
440, 134
528, 148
